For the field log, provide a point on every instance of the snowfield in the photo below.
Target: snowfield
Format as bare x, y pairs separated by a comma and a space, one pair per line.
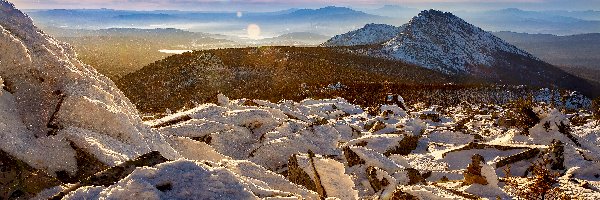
67, 132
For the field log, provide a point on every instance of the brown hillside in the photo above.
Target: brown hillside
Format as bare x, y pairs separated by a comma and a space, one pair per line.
271, 73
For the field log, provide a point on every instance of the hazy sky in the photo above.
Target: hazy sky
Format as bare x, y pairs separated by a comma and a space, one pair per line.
261, 5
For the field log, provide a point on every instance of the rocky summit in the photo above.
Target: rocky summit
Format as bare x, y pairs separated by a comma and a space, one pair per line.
444, 42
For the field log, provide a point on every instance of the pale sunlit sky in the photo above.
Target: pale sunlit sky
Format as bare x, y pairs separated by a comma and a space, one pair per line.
266, 5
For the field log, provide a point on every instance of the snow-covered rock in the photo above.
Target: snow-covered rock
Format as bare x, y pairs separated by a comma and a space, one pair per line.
61, 121
52, 102
433, 39
180, 179
441, 41
444, 42
326, 175
369, 34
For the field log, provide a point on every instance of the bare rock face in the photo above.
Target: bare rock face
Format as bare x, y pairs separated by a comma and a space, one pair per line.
19, 180
114, 174
351, 157
298, 176
401, 195
473, 173
376, 183
53, 107
414, 176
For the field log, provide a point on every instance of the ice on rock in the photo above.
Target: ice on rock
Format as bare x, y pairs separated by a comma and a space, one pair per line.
395, 109
195, 128
268, 179
237, 143
322, 140
194, 150
328, 175
222, 100
180, 179
372, 158
107, 150
382, 182
48, 90
251, 118
414, 126
17, 140
382, 144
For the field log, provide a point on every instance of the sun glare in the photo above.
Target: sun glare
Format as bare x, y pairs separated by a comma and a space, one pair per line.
253, 31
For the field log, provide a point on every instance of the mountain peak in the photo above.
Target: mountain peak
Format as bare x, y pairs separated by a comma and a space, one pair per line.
11, 16
338, 8
442, 41
6, 5
433, 12
329, 10
436, 40
436, 15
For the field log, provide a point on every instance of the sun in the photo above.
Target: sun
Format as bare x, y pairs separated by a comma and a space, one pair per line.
253, 31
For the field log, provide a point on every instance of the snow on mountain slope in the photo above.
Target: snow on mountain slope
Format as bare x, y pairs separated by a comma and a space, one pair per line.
433, 39
443, 42
369, 34
439, 40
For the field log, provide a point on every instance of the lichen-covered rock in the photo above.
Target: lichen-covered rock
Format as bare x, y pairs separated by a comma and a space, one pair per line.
555, 155
377, 182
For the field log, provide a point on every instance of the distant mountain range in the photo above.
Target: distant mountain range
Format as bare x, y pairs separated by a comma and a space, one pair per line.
326, 21
396, 11
558, 22
116, 52
443, 42
577, 54
295, 39
330, 11
517, 20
